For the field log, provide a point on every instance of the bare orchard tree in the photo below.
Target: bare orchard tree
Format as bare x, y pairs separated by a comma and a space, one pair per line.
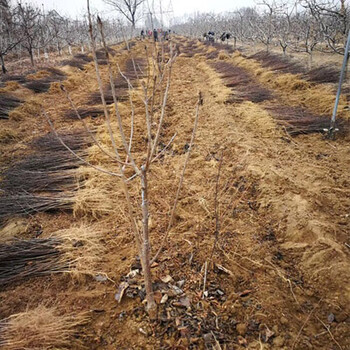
332, 18
79, 34
264, 24
130, 9
69, 34
245, 31
56, 25
31, 28
307, 35
285, 25
9, 31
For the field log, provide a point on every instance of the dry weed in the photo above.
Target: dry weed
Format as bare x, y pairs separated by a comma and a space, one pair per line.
258, 119
10, 86
220, 92
223, 55
81, 248
31, 108
100, 195
13, 228
40, 328
8, 135
39, 75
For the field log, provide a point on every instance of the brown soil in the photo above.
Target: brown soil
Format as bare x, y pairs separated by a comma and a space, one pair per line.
279, 265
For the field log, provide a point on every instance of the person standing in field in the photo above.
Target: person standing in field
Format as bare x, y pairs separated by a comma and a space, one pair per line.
155, 35
165, 35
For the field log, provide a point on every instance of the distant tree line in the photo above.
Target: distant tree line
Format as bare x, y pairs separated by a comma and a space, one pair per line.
26, 29
301, 25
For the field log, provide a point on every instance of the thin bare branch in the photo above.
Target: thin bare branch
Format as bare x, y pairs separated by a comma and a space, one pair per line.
160, 123
216, 206
74, 153
172, 215
164, 149
111, 80
99, 81
87, 129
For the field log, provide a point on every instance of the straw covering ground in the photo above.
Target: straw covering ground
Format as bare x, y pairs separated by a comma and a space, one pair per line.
258, 256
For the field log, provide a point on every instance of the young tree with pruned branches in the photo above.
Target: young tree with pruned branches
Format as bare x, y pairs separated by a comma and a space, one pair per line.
154, 87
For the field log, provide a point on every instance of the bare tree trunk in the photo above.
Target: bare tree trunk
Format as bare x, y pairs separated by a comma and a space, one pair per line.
145, 256
59, 49
310, 60
31, 55
3, 68
284, 48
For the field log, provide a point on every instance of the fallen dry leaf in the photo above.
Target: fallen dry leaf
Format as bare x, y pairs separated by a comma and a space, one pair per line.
120, 292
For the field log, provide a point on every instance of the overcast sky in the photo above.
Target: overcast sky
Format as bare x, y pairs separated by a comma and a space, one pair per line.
180, 7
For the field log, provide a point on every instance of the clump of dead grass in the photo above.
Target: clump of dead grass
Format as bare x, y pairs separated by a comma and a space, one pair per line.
288, 82
211, 49
31, 108
8, 135
258, 119
220, 91
76, 250
41, 81
81, 248
55, 88
11, 229
101, 194
223, 55
40, 328
11, 86
38, 75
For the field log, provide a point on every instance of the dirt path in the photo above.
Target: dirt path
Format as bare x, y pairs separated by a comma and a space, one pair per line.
278, 273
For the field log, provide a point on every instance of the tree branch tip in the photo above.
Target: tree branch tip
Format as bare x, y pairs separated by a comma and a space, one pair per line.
200, 98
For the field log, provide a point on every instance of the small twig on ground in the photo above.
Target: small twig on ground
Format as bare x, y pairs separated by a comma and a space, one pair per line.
286, 280
205, 278
164, 149
330, 333
304, 324
217, 345
216, 206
